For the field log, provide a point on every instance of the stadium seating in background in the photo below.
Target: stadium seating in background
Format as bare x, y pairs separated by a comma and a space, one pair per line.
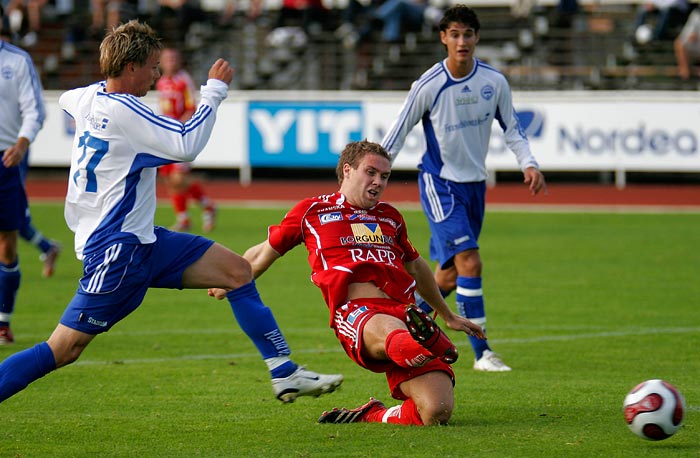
536, 52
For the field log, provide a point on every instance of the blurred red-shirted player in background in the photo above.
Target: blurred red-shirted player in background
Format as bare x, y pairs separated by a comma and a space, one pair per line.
176, 92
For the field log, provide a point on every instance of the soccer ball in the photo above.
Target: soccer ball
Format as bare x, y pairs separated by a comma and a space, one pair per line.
654, 410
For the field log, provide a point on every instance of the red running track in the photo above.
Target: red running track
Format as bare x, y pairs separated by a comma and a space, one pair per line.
682, 197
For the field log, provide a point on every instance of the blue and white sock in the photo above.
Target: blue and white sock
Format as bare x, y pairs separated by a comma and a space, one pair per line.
259, 324
29, 233
420, 302
470, 304
21, 369
9, 284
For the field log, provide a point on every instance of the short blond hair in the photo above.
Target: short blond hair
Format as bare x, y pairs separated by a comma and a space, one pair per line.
354, 152
130, 42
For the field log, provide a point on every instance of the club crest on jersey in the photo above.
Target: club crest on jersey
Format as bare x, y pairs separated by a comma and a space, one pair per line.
7, 72
487, 92
330, 217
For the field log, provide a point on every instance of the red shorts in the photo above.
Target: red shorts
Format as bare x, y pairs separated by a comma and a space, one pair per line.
182, 167
348, 324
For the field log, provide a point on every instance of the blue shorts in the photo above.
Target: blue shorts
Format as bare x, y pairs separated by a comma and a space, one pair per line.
13, 199
455, 213
115, 280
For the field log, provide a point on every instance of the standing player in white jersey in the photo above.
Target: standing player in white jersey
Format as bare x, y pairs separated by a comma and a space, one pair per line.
110, 205
457, 100
21, 117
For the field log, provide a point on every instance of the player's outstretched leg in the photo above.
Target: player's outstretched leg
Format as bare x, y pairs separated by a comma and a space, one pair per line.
21, 369
365, 413
375, 412
289, 380
427, 333
304, 382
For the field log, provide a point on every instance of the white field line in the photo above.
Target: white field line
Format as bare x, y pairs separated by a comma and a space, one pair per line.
525, 340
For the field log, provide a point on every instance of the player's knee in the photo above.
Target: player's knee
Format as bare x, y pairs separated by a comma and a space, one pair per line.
67, 356
468, 263
438, 413
239, 274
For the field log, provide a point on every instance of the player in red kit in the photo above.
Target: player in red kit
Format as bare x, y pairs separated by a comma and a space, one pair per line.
176, 92
367, 269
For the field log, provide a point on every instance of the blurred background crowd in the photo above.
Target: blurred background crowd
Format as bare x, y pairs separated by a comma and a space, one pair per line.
374, 44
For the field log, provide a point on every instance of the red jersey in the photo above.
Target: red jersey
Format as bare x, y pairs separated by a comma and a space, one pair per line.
176, 94
347, 245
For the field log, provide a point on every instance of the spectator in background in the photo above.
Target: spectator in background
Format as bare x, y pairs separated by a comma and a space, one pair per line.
25, 19
354, 18
107, 14
22, 114
231, 7
176, 92
183, 12
668, 15
687, 45
398, 16
310, 15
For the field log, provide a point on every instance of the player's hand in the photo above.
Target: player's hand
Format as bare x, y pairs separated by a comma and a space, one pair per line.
535, 181
459, 323
221, 70
218, 293
14, 154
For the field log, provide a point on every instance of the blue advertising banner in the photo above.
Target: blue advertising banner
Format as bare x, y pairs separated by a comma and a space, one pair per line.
301, 134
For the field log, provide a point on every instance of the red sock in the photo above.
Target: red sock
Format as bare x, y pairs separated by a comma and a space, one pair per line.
403, 414
179, 201
404, 351
196, 191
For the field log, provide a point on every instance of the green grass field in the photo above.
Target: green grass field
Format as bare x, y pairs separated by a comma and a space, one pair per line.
582, 306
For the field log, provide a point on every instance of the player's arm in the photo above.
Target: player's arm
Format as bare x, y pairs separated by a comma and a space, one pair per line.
261, 257
428, 289
412, 110
33, 112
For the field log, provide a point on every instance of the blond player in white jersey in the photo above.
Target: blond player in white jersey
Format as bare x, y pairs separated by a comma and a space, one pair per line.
457, 100
110, 205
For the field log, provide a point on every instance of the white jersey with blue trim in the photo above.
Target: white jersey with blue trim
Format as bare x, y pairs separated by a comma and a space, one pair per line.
119, 143
22, 109
457, 115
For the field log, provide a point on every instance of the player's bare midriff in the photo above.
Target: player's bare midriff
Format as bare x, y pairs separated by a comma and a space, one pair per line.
364, 290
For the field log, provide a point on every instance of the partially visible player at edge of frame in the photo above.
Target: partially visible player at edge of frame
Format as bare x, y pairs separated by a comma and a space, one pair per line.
110, 205
367, 269
176, 94
48, 249
22, 116
457, 100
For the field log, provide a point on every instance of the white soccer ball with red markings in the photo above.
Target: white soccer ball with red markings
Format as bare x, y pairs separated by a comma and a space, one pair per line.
654, 410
